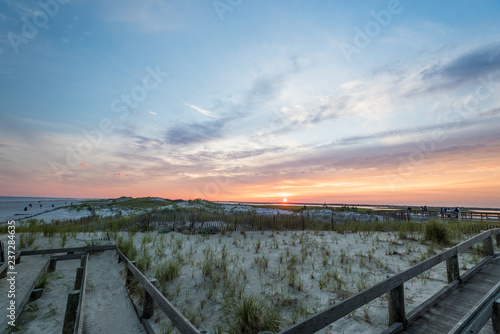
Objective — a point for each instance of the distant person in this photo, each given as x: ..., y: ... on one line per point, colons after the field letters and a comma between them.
x: 30, y: 205
x: 40, y: 206
x: 441, y: 211
x: 409, y: 212
x: 25, y: 208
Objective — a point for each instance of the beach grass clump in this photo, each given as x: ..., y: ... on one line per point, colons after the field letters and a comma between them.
x: 42, y: 281
x: 127, y: 247
x: 437, y: 231
x: 252, y: 315
x: 26, y: 239
x: 144, y: 261
x: 64, y: 238
x: 168, y: 270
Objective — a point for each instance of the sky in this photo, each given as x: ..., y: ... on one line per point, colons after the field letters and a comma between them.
x: 354, y: 102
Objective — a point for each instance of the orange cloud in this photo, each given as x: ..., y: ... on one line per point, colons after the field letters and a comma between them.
x: 84, y: 165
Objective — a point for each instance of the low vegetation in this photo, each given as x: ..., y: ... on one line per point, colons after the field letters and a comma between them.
x: 245, y: 272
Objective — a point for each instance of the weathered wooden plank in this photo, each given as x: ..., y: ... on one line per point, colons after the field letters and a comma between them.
x: 429, y: 324
x: 452, y: 269
x: 472, y: 271
x: 83, y: 287
x: 394, y: 328
x: 396, y: 300
x: 176, y: 317
x: 68, y: 250
x: 485, y: 302
x: 66, y: 257
x: 495, y: 319
x: 488, y: 246
x: 22, y: 304
x: 70, y: 314
x: 480, y: 320
x: 429, y: 303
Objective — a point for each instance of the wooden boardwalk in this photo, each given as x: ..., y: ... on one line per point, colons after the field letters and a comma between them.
x: 107, y: 306
x: 447, y: 313
x: 28, y: 271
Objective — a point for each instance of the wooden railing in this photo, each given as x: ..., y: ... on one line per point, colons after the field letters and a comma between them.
x: 151, y: 293
x: 82, y: 271
x: 394, y: 286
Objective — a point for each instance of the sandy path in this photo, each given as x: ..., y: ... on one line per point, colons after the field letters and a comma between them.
x: 107, y: 306
x: 46, y: 315
x: 27, y: 271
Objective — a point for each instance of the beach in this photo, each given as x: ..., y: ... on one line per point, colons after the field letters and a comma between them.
x: 13, y: 208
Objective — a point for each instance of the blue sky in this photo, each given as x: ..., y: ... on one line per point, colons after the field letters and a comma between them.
x: 251, y: 100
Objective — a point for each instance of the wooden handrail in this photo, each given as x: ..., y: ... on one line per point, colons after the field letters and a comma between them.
x: 79, y: 313
x: 68, y: 250
x: 176, y: 317
x: 324, y: 318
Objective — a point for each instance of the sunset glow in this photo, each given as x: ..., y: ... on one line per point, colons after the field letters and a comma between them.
x: 272, y: 102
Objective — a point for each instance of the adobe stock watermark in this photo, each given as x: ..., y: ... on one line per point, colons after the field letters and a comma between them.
x: 122, y: 107
x: 39, y: 20
x: 456, y: 115
x: 364, y: 36
x: 223, y: 6
x: 268, y: 133
x: 212, y: 189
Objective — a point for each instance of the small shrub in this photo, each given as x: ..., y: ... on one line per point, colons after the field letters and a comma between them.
x: 164, y: 230
x: 437, y: 231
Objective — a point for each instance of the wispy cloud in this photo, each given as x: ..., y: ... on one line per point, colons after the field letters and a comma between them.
x: 203, y: 111
x: 150, y: 16
x: 466, y: 67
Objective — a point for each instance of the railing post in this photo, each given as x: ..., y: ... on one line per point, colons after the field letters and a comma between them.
x: 453, y: 269
x: 396, y: 300
x: 488, y: 247
x: 148, y: 308
x: 52, y: 265
x: 82, y: 260
x: 70, y: 315
x: 78, y: 278
x: 495, y: 319
x: 2, y: 252
x: 498, y: 239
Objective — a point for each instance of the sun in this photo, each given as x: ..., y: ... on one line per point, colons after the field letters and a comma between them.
x: 284, y: 200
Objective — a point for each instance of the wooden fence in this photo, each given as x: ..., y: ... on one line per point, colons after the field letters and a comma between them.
x: 450, y: 215
x: 394, y: 286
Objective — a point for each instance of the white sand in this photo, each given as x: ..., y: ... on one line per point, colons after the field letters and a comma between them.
x: 245, y: 271
x: 107, y: 299
x: 14, y: 210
